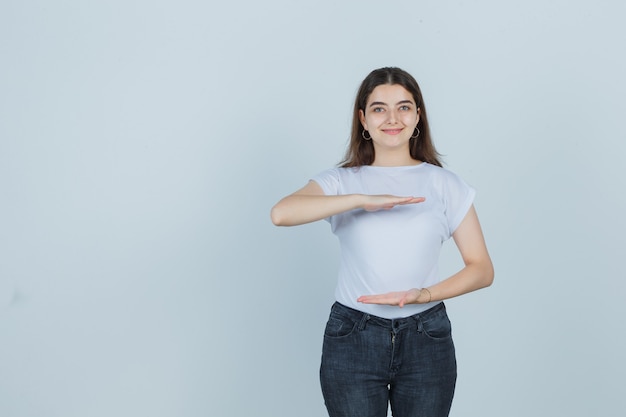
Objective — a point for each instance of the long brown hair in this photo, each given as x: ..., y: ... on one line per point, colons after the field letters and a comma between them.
x: 360, y: 151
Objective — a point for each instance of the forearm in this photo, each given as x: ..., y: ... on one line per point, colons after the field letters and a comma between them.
x: 471, y: 278
x: 299, y: 209
x: 477, y: 273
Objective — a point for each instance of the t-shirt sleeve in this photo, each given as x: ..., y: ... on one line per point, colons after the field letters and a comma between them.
x: 458, y: 198
x: 328, y: 180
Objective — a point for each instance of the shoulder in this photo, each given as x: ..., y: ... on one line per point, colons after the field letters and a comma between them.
x: 437, y: 170
x: 335, y: 180
x: 337, y: 173
x: 327, y: 174
x: 449, y: 185
x: 442, y: 174
x: 330, y: 179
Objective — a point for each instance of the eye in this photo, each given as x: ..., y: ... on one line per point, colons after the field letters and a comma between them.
x: 405, y: 108
x: 378, y: 109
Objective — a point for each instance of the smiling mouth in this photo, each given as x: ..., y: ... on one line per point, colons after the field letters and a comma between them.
x: 392, y: 131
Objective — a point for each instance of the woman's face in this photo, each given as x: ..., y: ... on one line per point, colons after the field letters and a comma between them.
x: 390, y: 116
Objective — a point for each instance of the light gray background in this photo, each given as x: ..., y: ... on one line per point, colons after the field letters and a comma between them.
x: 142, y: 144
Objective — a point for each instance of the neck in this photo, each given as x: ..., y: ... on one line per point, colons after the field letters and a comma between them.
x: 394, y: 159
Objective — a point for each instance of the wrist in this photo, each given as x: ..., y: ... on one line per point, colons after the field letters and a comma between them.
x: 360, y: 201
x: 424, y: 296
x: 357, y: 201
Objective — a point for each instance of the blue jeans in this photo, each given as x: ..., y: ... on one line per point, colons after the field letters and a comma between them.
x: 369, y: 362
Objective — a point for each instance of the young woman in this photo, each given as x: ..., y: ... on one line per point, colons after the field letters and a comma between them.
x: 391, y: 204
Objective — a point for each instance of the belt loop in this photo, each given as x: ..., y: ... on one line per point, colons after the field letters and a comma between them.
x: 364, y: 320
x: 418, y: 320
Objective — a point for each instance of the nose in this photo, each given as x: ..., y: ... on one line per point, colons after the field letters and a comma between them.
x: 392, y: 116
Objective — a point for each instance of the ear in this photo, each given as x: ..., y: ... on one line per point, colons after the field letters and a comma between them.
x: 362, y: 119
x: 419, y: 112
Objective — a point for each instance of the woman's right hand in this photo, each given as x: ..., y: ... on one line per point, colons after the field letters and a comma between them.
x: 309, y: 204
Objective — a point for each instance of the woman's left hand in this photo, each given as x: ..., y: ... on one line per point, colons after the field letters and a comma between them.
x: 397, y: 298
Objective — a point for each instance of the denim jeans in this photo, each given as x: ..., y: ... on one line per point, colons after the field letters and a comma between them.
x: 369, y: 362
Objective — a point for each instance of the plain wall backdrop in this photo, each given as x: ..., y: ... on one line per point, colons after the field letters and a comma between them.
x: 143, y: 143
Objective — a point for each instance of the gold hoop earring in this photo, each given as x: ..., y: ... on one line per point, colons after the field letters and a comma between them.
x: 365, y: 137
x: 416, y: 134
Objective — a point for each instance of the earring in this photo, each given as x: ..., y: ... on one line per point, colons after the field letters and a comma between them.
x: 416, y: 134
x: 365, y: 137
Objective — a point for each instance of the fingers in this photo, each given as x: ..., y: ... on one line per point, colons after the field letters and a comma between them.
x: 386, y: 202
x: 413, y: 200
x: 399, y: 298
x: 385, y: 299
x: 406, y: 200
x: 402, y: 301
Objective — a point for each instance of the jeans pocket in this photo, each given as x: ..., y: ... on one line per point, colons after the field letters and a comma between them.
x: 339, y: 326
x: 438, y: 326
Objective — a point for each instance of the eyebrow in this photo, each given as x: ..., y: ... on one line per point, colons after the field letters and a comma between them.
x: 380, y: 103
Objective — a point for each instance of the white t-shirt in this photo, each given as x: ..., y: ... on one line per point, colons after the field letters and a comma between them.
x: 397, y: 249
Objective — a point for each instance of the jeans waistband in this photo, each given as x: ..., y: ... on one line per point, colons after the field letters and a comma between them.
x: 394, y: 324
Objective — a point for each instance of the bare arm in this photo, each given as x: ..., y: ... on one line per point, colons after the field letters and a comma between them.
x: 309, y: 204
x: 477, y: 273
